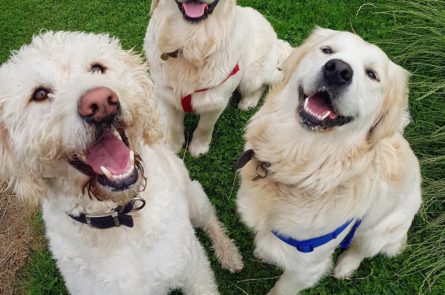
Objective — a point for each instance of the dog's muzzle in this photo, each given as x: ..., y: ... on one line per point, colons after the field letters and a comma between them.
x: 108, y: 159
x: 195, y: 11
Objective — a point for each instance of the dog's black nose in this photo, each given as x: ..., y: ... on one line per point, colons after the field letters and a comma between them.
x: 337, y: 73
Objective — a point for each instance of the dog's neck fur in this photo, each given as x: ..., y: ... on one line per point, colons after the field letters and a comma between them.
x: 60, y: 192
x: 307, y: 164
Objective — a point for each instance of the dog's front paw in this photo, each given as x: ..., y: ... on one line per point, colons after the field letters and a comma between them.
x: 275, y: 291
x: 230, y: 257
x: 258, y: 255
x: 197, y: 148
x: 250, y: 100
x: 347, y: 263
x: 247, y: 104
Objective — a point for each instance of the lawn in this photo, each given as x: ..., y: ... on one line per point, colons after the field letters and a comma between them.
x: 293, y: 20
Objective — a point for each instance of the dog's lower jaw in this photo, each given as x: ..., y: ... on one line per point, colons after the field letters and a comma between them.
x: 101, y: 193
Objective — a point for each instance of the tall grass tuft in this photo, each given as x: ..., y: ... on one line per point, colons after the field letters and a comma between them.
x: 417, y: 41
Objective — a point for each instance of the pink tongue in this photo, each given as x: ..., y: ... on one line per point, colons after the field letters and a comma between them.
x: 111, y: 153
x: 319, y: 104
x: 194, y: 9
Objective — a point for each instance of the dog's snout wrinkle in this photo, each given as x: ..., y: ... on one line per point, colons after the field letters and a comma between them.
x: 337, y: 73
x: 99, y: 104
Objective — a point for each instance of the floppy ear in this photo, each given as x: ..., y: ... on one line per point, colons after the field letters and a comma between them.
x: 154, y: 4
x: 152, y: 129
x: 148, y: 115
x: 27, y: 184
x: 393, y: 115
x: 29, y: 188
x: 291, y: 63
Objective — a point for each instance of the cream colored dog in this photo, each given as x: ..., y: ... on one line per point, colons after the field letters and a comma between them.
x: 74, y: 110
x: 199, y: 52
x: 328, y: 152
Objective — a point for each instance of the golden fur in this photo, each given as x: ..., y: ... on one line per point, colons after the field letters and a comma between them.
x: 319, y: 179
x: 207, y: 52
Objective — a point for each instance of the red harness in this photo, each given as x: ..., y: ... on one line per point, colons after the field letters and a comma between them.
x: 186, y: 101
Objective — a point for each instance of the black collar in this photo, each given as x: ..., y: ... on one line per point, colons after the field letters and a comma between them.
x: 118, y: 216
x: 261, y: 169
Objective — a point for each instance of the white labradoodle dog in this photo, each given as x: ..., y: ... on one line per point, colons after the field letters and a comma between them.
x: 75, y: 110
x: 199, y: 52
x: 325, y: 152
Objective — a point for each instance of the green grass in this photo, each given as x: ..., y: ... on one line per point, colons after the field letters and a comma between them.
x: 377, y: 22
x: 418, y: 38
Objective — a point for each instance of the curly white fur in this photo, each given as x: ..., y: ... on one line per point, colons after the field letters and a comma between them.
x: 161, y: 251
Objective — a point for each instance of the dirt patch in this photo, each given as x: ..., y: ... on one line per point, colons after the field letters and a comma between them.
x: 16, y: 239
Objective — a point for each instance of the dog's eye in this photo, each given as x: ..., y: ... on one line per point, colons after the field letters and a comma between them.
x: 327, y: 50
x: 372, y: 74
x: 97, y: 68
x: 40, y: 94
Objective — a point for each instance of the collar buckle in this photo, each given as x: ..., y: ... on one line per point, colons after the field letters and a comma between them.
x: 117, y: 217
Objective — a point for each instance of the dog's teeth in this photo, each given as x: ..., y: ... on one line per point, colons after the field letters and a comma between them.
x: 110, y: 176
x: 107, y: 172
x: 306, y: 101
x: 128, y: 173
x: 116, y: 133
x: 131, y: 158
x: 125, y: 174
x: 325, y: 115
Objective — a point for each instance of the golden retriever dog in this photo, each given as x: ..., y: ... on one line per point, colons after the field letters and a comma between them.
x: 75, y: 112
x: 199, y: 52
x: 326, y: 163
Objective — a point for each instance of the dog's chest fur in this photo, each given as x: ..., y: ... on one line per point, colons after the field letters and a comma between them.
x: 149, y: 254
x: 297, y: 207
x: 207, y: 51
x: 312, y: 188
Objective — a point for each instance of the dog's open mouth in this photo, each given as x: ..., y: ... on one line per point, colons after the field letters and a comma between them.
x: 195, y: 10
x: 109, y: 160
x: 317, y: 112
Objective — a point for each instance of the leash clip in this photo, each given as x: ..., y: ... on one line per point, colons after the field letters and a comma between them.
x: 262, y: 170
x: 166, y: 55
x: 141, y: 205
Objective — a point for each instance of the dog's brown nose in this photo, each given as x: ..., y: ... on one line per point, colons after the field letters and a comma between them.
x: 99, y: 104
